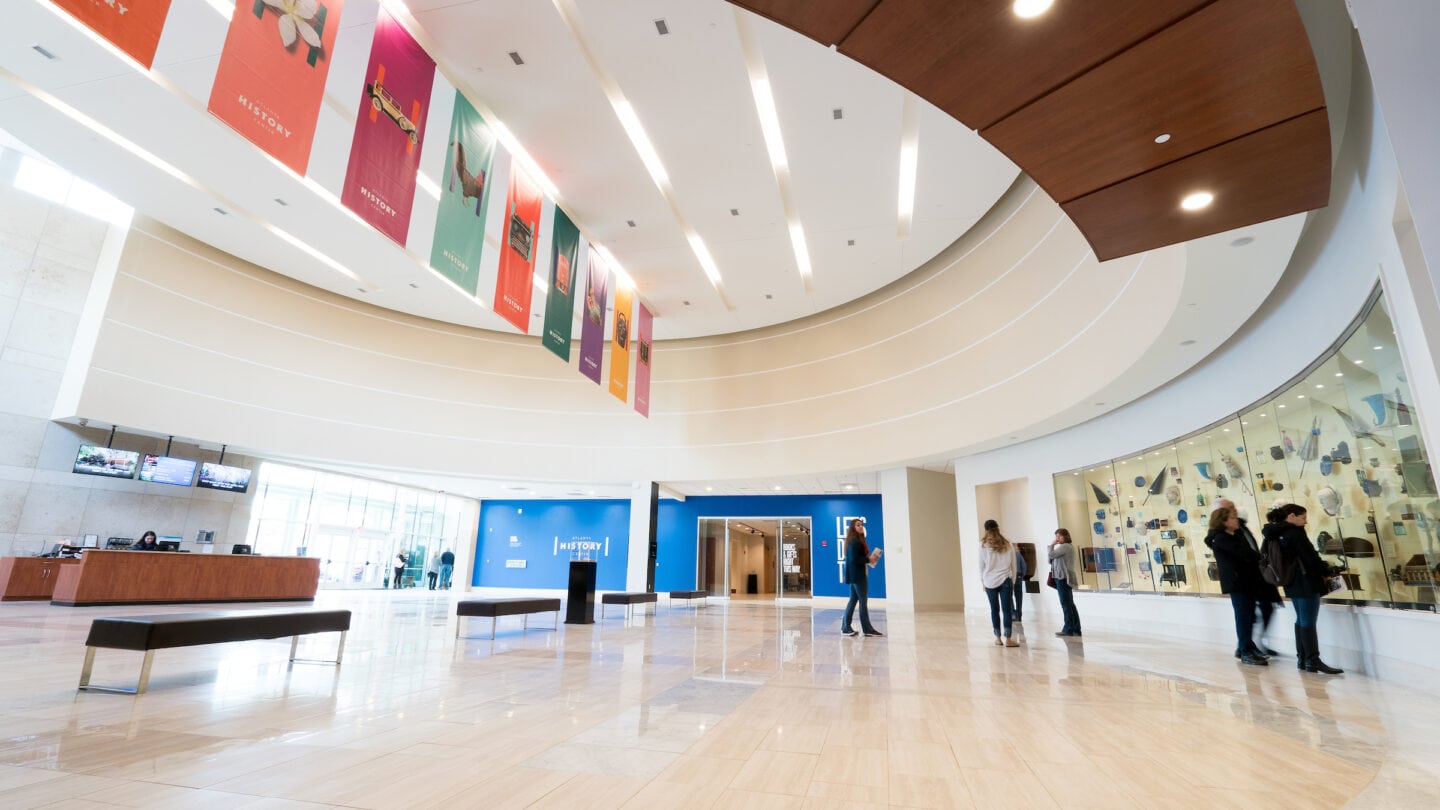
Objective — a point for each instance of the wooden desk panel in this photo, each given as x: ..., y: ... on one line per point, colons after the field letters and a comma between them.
x: 30, y: 577
x: 140, y: 577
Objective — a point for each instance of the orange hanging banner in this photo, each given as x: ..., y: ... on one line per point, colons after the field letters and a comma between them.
x: 620, y: 342
x: 133, y: 26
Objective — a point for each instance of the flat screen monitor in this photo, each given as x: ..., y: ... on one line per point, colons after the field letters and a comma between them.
x: 239, y: 548
x: 218, y: 476
x: 167, y: 470
x: 107, y: 461
x: 168, y: 545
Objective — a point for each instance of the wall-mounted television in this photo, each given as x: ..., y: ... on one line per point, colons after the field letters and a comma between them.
x: 167, y: 470
x: 218, y: 476
x: 107, y: 461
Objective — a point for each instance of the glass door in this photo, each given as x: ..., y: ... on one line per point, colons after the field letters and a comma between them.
x: 711, y: 557
x: 795, y: 557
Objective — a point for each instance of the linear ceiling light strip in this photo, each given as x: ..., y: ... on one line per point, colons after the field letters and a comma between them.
x: 769, y: 116
x: 630, y: 121
x: 909, y: 162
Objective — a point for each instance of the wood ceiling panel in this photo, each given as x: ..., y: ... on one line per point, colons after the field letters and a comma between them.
x: 979, y: 62
x: 826, y: 21
x: 1231, y: 68
x: 1281, y: 170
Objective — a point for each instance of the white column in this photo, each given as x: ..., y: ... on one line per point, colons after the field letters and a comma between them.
x: 639, y: 555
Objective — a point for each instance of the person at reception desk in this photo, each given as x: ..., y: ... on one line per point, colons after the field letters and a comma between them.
x: 146, y: 543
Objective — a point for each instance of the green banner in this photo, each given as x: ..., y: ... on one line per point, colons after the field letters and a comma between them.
x: 464, y: 196
x: 560, y: 297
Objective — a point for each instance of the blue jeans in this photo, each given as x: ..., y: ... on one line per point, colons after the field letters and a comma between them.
x: 859, y: 593
x: 1067, y: 607
x: 1243, y: 604
x: 445, y: 571
x: 1002, y: 601
x: 1307, y: 610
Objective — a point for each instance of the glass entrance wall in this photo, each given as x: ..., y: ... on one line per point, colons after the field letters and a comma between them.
x: 1342, y: 440
x: 356, y: 526
x: 765, y: 557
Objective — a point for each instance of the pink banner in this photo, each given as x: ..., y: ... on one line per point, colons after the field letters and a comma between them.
x: 385, y: 153
x: 643, y: 324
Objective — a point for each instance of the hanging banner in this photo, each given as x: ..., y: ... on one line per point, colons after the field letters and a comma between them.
x: 644, y: 324
x: 560, y: 299
x: 464, y: 198
x: 592, y: 320
x: 272, y: 73
x: 133, y: 26
x: 385, y: 153
x: 620, y: 343
x: 515, y: 284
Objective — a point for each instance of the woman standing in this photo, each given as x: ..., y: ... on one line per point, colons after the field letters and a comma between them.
x: 1239, y: 568
x: 859, y: 559
x: 1304, y: 584
x: 997, y: 574
x: 1066, y: 575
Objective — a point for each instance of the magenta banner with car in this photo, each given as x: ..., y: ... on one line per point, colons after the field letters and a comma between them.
x: 390, y: 130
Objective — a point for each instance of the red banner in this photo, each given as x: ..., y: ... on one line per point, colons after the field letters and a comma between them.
x: 385, y: 153
x: 620, y: 342
x: 644, y: 325
x: 133, y: 26
x: 514, y: 285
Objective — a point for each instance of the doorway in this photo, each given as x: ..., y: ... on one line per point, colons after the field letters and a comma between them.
x: 754, y: 557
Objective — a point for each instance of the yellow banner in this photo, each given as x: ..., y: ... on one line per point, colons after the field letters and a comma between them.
x: 620, y: 342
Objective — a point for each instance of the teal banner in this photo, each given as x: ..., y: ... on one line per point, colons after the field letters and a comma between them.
x: 560, y: 298
x: 464, y: 196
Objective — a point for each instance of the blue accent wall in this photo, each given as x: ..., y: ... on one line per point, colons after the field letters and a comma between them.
x: 678, y: 534
x: 544, y: 534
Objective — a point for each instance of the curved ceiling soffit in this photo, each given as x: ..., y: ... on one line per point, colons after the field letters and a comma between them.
x: 1118, y: 110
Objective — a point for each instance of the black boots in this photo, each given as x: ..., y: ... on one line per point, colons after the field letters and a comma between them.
x: 1307, y: 645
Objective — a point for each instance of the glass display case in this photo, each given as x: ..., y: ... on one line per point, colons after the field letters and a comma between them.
x: 1342, y: 440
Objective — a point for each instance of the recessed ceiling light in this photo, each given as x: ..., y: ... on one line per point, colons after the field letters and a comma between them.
x: 661, y: 28
x: 1301, y: 396
x: 515, y: 57
x: 360, y: 289
x: 778, y: 487
x: 43, y: 51
x: 734, y: 212
x: 1317, y: 385
x: 709, y: 489
x: 1282, y: 406
x: 1029, y: 9
x: 1162, y: 137
x: 282, y: 202
x: 838, y: 113
x: 1187, y: 343
x: 1378, y: 348
x: 769, y: 297
x: 1359, y: 362
x: 1197, y: 201
x: 850, y: 243
x: 1099, y: 404
x: 222, y: 212
x: 413, y: 284
x: 1242, y: 241
x: 1339, y: 374
x: 630, y: 222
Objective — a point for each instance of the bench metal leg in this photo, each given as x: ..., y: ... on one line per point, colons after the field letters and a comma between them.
x: 139, y: 689
x: 525, y: 622
x: 557, y: 621
x: 339, y: 652
x: 494, y: 620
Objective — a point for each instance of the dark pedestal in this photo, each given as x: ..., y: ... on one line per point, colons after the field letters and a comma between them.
x: 580, y: 601
x: 752, y: 583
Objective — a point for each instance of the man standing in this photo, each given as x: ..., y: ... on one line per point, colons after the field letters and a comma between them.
x: 447, y: 566
x: 1268, y: 596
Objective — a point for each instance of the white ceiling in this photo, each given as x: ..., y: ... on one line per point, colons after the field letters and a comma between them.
x: 690, y: 89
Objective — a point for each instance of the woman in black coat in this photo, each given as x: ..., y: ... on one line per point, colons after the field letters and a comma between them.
x: 1304, y: 581
x: 1239, y: 567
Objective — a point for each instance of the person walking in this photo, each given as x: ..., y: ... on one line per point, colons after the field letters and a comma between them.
x: 1267, y: 596
x: 1239, y: 568
x: 432, y: 571
x: 997, y: 574
x: 1066, y: 573
x: 859, y: 559
x: 447, y: 568
x: 1022, y: 573
x: 1303, y: 574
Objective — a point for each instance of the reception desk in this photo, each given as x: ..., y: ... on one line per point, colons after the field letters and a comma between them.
x: 30, y: 577
x: 142, y: 577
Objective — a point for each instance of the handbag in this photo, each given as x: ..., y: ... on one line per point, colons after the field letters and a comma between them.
x: 1050, y: 580
x: 1335, y: 583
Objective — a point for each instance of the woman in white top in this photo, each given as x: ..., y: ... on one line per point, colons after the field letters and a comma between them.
x: 997, y: 574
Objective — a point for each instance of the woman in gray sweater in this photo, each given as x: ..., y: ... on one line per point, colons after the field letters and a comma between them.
x: 1067, y: 575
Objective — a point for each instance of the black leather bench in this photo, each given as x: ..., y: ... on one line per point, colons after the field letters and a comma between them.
x: 690, y: 596
x: 514, y: 606
x: 150, y: 633
x: 629, y: 600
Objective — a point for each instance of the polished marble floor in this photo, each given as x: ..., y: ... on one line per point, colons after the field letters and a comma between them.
x: 753, y: 705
